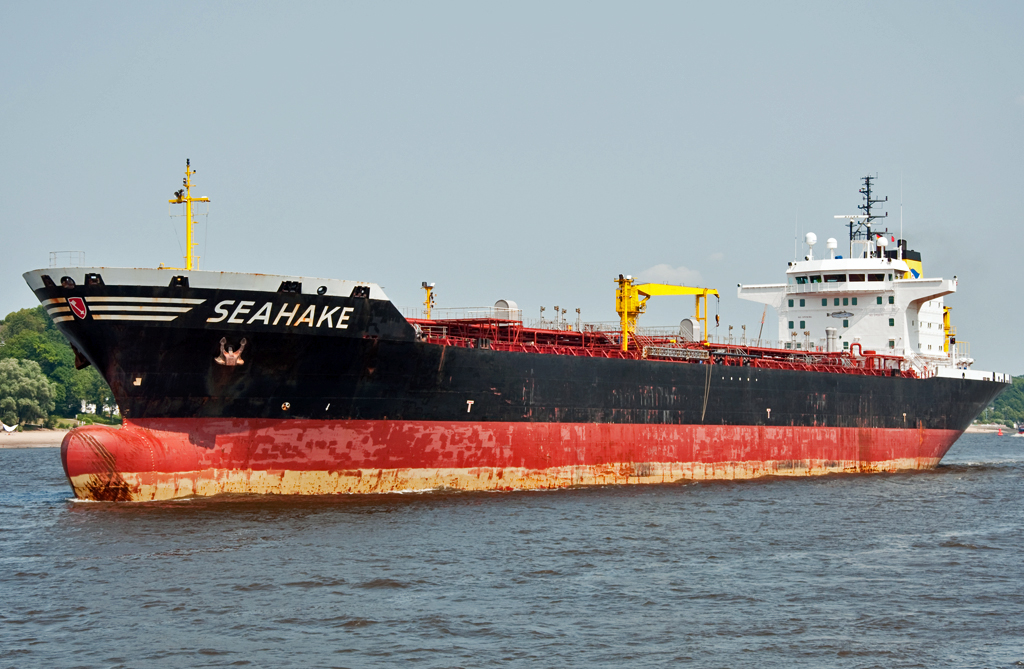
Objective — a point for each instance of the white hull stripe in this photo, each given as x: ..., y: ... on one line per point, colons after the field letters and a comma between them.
x: 129, y: 317
x: 61, y: 319
x: 54, y: 300
x: 137, y: 309
x: 146, y: 300
x: 57, y: 310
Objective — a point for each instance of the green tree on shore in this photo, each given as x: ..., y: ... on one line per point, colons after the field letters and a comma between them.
x: 25, y: 392
x: 29, y: 334
x: 1008, y: 408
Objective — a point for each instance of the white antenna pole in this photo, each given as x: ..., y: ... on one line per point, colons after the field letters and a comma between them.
x: 901, y: 216
x: 796, y: 224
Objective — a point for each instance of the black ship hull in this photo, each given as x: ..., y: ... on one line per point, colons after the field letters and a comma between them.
x: 339, y: 392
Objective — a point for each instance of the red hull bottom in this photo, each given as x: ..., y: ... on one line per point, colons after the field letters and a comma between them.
x: 157, y: 459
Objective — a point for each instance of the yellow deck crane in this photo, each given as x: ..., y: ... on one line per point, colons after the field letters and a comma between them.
x: 631, y: 301
x: 948, y: 331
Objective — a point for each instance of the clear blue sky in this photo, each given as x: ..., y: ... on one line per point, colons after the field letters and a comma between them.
x: 528, y: 151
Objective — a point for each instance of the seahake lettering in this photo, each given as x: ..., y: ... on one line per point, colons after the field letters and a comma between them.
x: 290, y: 314
x: 222, y: 309
x: 263, y: 314
x: 307, y: 316
x: 345, y: 313
x: 241, y: 310
x: 327, y: 315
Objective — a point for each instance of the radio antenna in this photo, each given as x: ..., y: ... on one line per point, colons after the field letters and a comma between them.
x: 796, y: 225
x: 900, y: 247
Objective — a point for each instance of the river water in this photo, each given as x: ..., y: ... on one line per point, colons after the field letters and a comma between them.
x: 909, y: 570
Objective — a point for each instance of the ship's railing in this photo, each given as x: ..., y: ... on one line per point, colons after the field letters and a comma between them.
x: 457, y: 313
x: 67, y: 259
x: 962, y: 350
x: 854, y: 287
x: 693, y: 353
x: 560, y: 325
x: 663, y: 343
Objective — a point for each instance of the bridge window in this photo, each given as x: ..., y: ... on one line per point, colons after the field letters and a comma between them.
x: 835, y: 278
x: 815, y: 278
x: 876, y: 277
x: 801, y: 280
x: 856, y: 277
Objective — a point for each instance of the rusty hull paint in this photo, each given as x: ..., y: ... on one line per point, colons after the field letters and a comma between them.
x: 167, y: 458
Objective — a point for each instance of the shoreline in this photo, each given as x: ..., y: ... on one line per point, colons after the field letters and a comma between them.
x: 32, y: 439
x: 989, y: 428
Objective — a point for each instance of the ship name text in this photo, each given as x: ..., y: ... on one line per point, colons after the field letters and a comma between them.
x: 264, y: 314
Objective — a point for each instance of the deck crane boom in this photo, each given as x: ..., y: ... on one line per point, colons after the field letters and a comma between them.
x: 631, y: 301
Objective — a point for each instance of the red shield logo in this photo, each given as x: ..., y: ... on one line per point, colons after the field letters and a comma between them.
x: 77, y: 305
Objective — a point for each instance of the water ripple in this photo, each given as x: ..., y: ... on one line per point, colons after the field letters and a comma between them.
x: 917, y: 569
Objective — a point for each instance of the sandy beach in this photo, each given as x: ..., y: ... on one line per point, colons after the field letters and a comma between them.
x: 32, y: 439
x: 989, y: 428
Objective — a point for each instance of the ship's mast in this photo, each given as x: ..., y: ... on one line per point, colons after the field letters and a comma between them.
x: 866, y: 208
x: 184, y: 196
x: 860, y: 224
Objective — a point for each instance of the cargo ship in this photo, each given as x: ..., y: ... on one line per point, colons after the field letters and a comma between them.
x: 262, y: 384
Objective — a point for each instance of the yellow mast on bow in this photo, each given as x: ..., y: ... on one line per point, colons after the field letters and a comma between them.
x: 184, y: 196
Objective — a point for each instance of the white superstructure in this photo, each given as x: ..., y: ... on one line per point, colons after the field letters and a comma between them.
x: 872, y: 300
